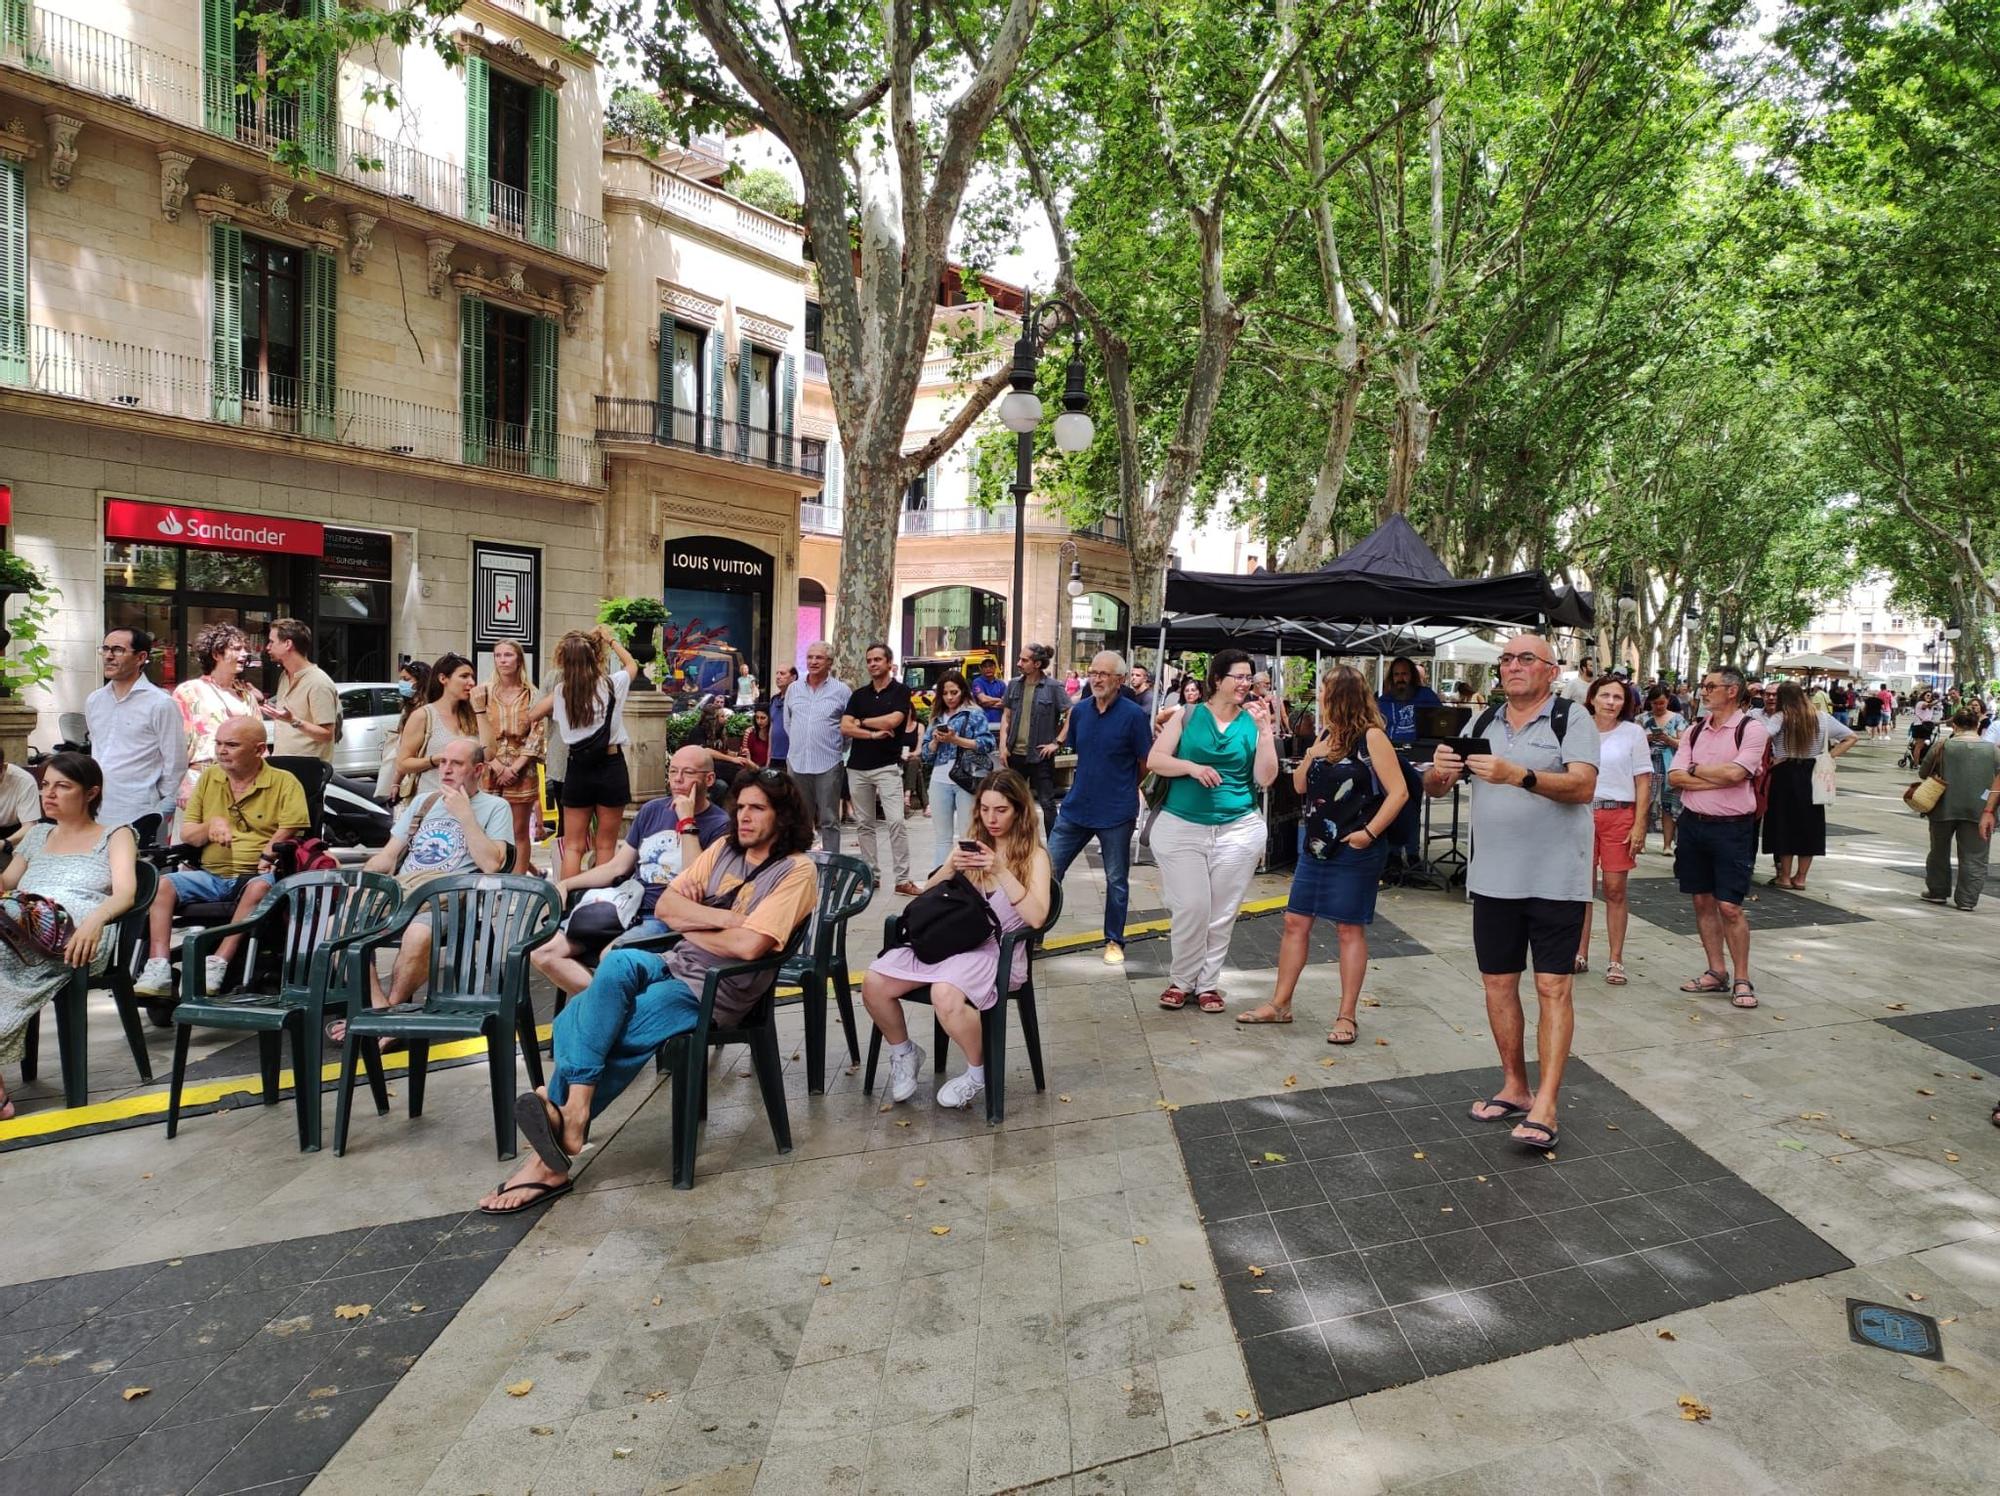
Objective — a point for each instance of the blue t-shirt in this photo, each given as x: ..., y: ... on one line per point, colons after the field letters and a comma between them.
x: 1111, y: 748
x: 1400, y: 717
x: 653, y: 837
x: 781, y: 739
x: 437, y: 843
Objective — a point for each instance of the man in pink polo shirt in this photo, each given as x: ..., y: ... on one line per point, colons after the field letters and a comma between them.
x: 1715, y: 769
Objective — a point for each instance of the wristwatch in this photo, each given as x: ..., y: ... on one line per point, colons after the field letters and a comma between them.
x: 1528, y: 780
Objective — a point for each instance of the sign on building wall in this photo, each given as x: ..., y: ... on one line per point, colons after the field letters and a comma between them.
x: 213, y: 529
x: 506, y: 603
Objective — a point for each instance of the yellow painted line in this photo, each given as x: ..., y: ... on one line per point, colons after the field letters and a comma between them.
x: 154, y: 1103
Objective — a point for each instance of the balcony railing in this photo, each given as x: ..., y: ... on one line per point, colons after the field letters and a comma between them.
x: 622, y: 420
x: 819, y: 519
x: 97, y: 62
x: 1042, y: 519
x: 129, y: 377
x: 815, y: 365
x: 720, y: 211
x: 528, y: 10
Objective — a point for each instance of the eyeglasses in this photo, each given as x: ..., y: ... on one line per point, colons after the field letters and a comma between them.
x: 1713, y: 685
x: 113, y: 649
x: 1524, y: 659
x: 1238, y: 675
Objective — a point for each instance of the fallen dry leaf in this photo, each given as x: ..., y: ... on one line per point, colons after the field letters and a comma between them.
x: 1167, y: 1106
x: 887, y: 1106
x: 653, y: 1397
x: 1242, y: 1412
x: 1921, y: 1091
x: 351, y: 1311
x: 1254, y: 1290
x: 177, y: 1261
x: 1446, y: 1209
x: 1187, y: 1285
x: 657, y: 1301
x: 1668, y: 1335
x: 540, y: 1430
x: 1896, y: 1007
x: 1062, y: 1098
x: 1369, y: 1002
x: 133, y: 1394
x: 1326, y: 1064
x: 1418, y: 1154
x: 1693, y: 1411
x: 1140, y: 1241
x: 918, y: 1183
x: 1847, y: 1137
x: 521, y: 1389
x: 1383, y: 1042
x: 940, y: 1231
x: 1256, y: 1272
x: 902, y: 1124
x: 416, y: 1308
x: 621, y: 1452
x: 1812, y: 1116
x: 1274, y: 1158
x: 1612, y: 1127
x: 324, y: 1392
x: 1797, y: 956
x: 1949, y: 1319
x: 1916, y: 1298
x: 1479, y: 1179
x: 825, y: 1281
x: 562, y: 1314
x: 1951, y: 1158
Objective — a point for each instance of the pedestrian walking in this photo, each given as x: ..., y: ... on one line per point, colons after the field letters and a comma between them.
x: 1217, y: 755
x: 1529, y: 876
x: 137, y: 738
x: 1716, y: 769
x: 589, y: 712
x: 1663, y: 725
x: 307, y: 706
x: 956, y: 727
x: 1618, y: 813
x: 1031, y: 716
x: 1794, y: 821
x: 816, y: 747
x: 1962, y: 820
x: 1351, y: 788
x: 874, y: 721
x: 1111, y: 736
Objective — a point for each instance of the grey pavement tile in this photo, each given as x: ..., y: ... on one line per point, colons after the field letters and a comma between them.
x: 1022, y: 1351
x: 922, y: 1374
x: 1019, y: 1439
x: 755, y: 1343
x: 828, y: 1399
x: 1205, y: 1392
x: 1114, y: 1415
x: 922, y: 1458
x: 720, y: 1427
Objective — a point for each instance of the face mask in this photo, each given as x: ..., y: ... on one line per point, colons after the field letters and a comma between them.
x: 406, y: 689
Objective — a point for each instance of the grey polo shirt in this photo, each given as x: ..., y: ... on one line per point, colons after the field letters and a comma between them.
x: 812, y: 720
x: 1524, y: 845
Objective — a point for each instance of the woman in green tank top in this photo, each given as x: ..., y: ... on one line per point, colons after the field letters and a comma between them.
x: 1216, y: 755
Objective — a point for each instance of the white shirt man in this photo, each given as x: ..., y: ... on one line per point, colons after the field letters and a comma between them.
x: 136, y: 734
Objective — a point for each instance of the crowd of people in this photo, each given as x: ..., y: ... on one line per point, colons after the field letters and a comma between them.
x: 1573, y: 777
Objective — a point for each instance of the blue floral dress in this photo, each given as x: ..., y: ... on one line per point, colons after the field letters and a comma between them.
x: 79, y: 881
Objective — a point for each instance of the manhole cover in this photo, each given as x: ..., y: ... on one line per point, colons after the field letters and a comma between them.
x: 1888, y: 1328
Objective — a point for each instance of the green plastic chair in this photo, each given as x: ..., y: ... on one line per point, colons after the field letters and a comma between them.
x: 72, y: 1033
x: 313, y: 972
x: 482, y: 927
x: 846, y: 884
x: 992, y: 1022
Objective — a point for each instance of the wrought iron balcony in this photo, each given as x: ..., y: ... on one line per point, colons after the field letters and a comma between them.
x: 648, y: 421
x: 1041, y: 519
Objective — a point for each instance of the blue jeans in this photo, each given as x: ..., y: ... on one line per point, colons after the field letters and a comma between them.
x: 951, y: 813
x: 609, y: 1031
x: 1115, y: 842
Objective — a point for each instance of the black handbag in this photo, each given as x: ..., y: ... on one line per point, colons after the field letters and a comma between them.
x: 949, y: 919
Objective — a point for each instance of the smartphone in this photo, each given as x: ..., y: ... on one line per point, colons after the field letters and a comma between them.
x: 970, y: 846
x: 1466, y: 747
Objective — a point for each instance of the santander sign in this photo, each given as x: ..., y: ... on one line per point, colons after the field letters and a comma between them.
x: 212, y: 529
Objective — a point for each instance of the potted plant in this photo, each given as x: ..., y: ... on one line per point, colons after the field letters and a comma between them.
x: 32, y: 663
x: 633, y: 620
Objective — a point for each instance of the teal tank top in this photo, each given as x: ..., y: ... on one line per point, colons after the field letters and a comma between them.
x: 1230, y: 753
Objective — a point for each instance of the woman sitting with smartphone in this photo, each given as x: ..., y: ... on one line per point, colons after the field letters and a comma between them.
x: 1005, y: 860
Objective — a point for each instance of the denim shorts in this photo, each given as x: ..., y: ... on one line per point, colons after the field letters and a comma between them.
x: 199, y: 886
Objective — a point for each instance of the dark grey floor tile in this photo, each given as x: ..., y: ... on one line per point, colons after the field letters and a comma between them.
x: 1505, y: 1156
x: 1210, y: 1157
x: 1400, y: 1091
x: 1225, y: 1196
x: 296, y: 1263
x: 169, y: 1461
x: 1370, y: 1353
x: 1288, y: 1186
x: 1631, y: 1283
x: 1250, y: 1113
x: 1247, y: 1241
x: 1453, y: 1159
x: 1444, y: 1335
x: 1322, y: 1140
x: 1291, y: 1371
x: 1695, y: 1275
x: 67, y: 1301
x: 1644, y: 1129
x: 1741, y: 1202
x: 46, y: 1472
x: 1772, y: 1252
x: 14, y: 1295
x: 1301, y: 1107
x: 1577, y: 1305
x: 1201, y: 1120
x: 1455, y: 1090
x: 441, y: 1285
x: 1527, y: 1246
x: 1487, y: 1201
x: 189, y: 1280
x: 1468, y: 1259
x: 25, y: 1345
x: 1639, y: 1223
x: 1691, y: 1209
x: 1513, y: 1320
x: 1345, y: 1102
x: 255, y: 1378
x: 1337, y: 1286
x: 1345, y: 1176
x: 1253, y: 1145
x: 373, y: 1354
x: 1543, y: 1191
x: 26, y: 1406
x: 1263, y: 1306
x: 104, y: 1412
x: 1646, y: 1172
x: 404, y: 1244
x: 1431, y: 1209
x: 216, y: 1325
x: 1594, y: 1180
x: 293, y: 1440
x: 1372, y: 1220
x: 1585, y: 1234
x: 1374, y: 1130
x: 1314, y: 1231
x: 1404, y: 1272
x: 1401, y: 1167
x: 1425, y: 1124
x: 98, y: 1345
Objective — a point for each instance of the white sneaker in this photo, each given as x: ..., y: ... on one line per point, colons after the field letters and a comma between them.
x: 156, y: 980
x: 1114, y: 954
x: 216, y: 969
x: 904, y: 1067
x: 960, y: 1091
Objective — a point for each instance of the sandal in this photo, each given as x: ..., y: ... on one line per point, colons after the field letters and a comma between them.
x: 1209, y: 1001
x: 542, y: 1194
x: 531, y: 1115
x: 1266, y: 1013
x: 1614, y: 973
x: 1173, y: 999
x: 1743, y: 994
x: 1709, y: 981
x: 1507, y: 1109
x: 1354, y: 1031
x: 1582, y: 965
x: 1545, y: 1143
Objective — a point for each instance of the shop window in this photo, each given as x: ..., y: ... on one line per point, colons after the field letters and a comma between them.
x: 952, y: 620
x: 235, y: 101
x: 507, y: 373
x: 144, y: 566
x: 228, y: 571
x: 510, y: 153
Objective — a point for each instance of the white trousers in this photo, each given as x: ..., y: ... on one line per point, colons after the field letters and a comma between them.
x: 1204, y: 873
x: 878, y: 800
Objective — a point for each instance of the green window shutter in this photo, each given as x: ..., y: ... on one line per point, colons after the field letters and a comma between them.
x: 713, y: 342
x: 542, y: 170
x: 787, y: 396
x: 225, y: 243
x: 663, y: 412
x: 543, y: 336
x: 14, y: 29
x: 319, y: 112
x: 218, y: 66
x: 478, y: 194
x: 744, y: 353
x: 13, y: 274
x: 472, y: 377
x: 835, y: 474
x: 316, y: 358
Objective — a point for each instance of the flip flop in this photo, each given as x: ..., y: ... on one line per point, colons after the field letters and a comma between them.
x: 1507, y: 1109
x: 1709, y: 981
x: 1548, y: 1131
x: 1279, y: 1015
x: 1335, y: 1039
x: 531, y: 1115
x: 544, y: 1194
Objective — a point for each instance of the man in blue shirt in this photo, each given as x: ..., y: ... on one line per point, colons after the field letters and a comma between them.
x: 1402, y: 694
x: 1112, y: 736
x: 781, y: 740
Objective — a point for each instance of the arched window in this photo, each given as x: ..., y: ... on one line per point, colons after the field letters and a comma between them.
x: 952, y: 620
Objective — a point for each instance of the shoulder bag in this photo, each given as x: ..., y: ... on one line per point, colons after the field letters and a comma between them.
x: 949, y: 919
x: 969, y: 766
x: 1153, y: 789
x: 35, y: 926
x: 1923, y: 796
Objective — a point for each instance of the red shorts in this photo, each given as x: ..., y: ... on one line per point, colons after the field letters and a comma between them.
x: 1614, y: 838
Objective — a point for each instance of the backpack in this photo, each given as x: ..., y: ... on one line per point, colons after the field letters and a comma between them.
x: 1558, y: 718
x: 308, y: 854
x: 1760, y: 777
x: 949, y: 919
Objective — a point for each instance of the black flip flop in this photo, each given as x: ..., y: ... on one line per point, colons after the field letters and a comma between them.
x: 1511, y: 1110
x: 1549, y: 1128
x: 543, y: 1194
x: 531, y: 1115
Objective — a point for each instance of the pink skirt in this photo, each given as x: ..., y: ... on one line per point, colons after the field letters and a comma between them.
x: 975, y: 972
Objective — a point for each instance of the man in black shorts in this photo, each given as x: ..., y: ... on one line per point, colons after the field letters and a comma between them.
x: 1532, y: 837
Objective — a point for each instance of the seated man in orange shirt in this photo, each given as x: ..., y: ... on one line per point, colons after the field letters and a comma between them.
x: 740, y: 900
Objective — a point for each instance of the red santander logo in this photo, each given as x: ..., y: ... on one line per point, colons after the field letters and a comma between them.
x: 212, y: 529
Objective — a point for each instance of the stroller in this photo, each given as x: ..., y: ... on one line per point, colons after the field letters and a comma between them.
x: 1921, y: 734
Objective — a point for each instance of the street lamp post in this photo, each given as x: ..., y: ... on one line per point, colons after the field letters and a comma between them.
x: 1021, y: 413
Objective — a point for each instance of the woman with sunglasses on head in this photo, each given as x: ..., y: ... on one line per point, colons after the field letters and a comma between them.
x: 1618, y: 813
x: 447, y: 714
x: 1216, y: 756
